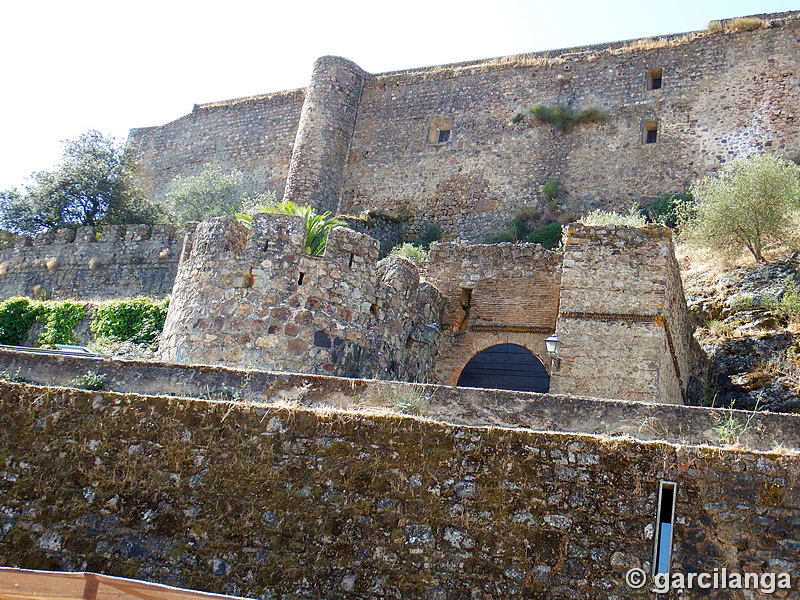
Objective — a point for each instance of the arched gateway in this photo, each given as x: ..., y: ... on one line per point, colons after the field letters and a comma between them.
x: 505, y: 367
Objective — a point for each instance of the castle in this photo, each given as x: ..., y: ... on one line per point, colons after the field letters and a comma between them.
x: 456, y: 145
x: 250, y: 460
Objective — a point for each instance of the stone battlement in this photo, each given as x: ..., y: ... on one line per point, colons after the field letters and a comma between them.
x: 91, y: 263
x: 251, y: 297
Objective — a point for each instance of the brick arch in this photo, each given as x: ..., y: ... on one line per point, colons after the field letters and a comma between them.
x: 449, y: 365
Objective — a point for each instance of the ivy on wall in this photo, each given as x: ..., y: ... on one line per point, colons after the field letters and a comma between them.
x: 136, y: 320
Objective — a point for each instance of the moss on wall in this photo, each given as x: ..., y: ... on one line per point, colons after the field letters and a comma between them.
x: 283, y: 502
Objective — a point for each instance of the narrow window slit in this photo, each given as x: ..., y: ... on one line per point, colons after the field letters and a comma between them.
x: 300, y: 279
x: 352, y: 256
x: 266, y: 245
x: 664, y: 525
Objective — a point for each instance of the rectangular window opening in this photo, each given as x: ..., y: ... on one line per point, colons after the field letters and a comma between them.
x: 665, y: 522
x: 300, y: 279
x: 650, y: 132
x: 655, y: 78
x: 352, y: 257
x: 444, y: 136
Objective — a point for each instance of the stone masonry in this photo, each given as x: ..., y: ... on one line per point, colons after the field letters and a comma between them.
x: 252, y: 298
x: 354, y: 140
x: 92, y: 264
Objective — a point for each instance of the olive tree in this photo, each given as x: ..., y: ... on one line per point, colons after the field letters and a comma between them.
x: 747, y: 206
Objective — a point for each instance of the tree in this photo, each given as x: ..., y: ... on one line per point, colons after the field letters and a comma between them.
x: 212, y: 192
x: 93, y: 185
x: 747, y: 206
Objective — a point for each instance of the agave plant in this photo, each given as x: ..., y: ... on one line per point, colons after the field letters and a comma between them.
x: 317, y: 226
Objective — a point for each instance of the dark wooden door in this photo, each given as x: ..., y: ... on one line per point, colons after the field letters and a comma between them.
x: 505, y: 367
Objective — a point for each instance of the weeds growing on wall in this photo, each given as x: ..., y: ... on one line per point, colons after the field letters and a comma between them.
x: 89, y: 381
x: 411, y: 252
x: 16, y: 317
x: 564, y: 119
x: 136, y: 320
x: 18, y: 314
x: 428, y: 234
x: 523, y: 227
x: 633, y: 218
x: 317, y: 226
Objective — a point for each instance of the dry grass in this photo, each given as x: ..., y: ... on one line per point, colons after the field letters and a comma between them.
x: 657, y: 42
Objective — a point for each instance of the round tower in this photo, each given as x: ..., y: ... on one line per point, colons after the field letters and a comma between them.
x: 327, y: 120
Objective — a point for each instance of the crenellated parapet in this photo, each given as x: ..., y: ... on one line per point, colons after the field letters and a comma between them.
x: 251, y: 296
x: 91, y: 262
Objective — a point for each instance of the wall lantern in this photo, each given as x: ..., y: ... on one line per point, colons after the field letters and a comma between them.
x: 553, y: 345
x: 431, y: 332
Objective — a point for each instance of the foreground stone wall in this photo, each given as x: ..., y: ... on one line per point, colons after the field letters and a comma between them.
x: 281, y: 503
x: 252, y: 298
x: 92, y: 264
x: 645, y: 420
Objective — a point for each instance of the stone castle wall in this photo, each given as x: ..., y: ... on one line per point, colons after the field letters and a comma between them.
x: 269, y: 502
x: 252, y: 298
x: 92, y: 264
x: 372, y: 140
x: 255, y: 135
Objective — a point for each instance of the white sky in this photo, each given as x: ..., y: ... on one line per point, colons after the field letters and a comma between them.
x: 73, y: 65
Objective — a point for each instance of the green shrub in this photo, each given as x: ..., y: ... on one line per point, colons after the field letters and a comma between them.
x: 564, y: 119
x: 410, y: 251
x: 743, y: 302
x: 60, y: 319
x: 16, y: 317
x: 137, y: 320
x: 523, y: 222
x: 428, y: 233
x: 789, y: 304
x: 669, y: 210
x: 89, y: 381
x: 548, y: 236
x: 551, y: 189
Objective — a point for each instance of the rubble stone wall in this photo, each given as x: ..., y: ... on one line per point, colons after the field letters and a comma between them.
x: 92, y: 264
x: 636, y: 315
x: 372, y: 141
x: 252, y: 298
x: 272, y: 502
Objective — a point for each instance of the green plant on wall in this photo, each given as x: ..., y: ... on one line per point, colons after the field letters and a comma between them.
x: 317, y: 226
x: 564, y: 119
x: 136, y: 320
x: 16, y: 317
x: 60, y: 319
x: 550, y: 189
